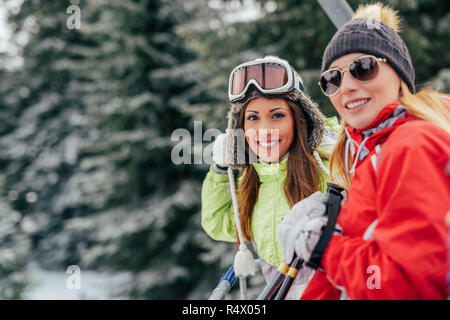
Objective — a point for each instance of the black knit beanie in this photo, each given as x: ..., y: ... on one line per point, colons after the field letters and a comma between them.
x: 380, y: 40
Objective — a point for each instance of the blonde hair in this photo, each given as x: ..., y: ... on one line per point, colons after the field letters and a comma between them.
x: 428, y: 104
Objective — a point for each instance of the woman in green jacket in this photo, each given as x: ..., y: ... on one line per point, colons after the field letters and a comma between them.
x: 276, y: 139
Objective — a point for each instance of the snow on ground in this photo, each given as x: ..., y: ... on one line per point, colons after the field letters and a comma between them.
x: 53, y: 285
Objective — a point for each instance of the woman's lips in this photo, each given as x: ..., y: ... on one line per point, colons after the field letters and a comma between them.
x: 268, y: 145
x: 356, y: 105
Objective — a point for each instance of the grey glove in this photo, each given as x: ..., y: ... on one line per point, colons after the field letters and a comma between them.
x: 308, y: 209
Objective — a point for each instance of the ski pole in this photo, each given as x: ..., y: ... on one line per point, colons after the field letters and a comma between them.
x: 274, y: 284
x: 338, y: 11
x: 244, y: 265
x: 296, y: 265
x: 333, y: 207
x: 225, y: 284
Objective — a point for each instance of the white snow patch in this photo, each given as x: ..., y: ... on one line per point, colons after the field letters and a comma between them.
x: 52, y: 285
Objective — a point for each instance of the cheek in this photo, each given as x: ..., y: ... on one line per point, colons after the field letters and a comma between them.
x: 383, y: 95
x: 336, y: 104
x: 386, y: 87
x: 246, y: 125
x: 287, y: 131
x: 248, y: 128
x: 250, y: 136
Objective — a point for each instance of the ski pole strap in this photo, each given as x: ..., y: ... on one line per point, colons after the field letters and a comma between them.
x: 235, y: 175
x: 333, y: 206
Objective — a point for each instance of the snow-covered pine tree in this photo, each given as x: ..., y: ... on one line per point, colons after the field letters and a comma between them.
x: 14, y: 244
x: 48, y: 129
x: 147, y: 209
x: 88, y: 158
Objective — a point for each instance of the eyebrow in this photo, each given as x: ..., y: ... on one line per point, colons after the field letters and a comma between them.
x: 271, y: 110
x: 337, y: 67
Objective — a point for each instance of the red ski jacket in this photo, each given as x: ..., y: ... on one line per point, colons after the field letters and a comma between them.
x: 395, y: 240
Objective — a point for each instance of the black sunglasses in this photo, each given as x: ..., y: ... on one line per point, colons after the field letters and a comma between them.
x: 364, y: 68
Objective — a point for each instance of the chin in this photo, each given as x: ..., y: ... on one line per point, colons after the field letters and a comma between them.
x: 270, y: 159
x: 359, y: 123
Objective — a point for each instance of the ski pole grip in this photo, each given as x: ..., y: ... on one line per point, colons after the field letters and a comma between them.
x: 274, y: 284
x: 229, y: 276
x: 296, y: 265
x: 333, y: 206
x: 225, y: 284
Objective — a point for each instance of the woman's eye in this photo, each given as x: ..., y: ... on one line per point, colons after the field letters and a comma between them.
x: 252, y: 118
x: 278, y: 115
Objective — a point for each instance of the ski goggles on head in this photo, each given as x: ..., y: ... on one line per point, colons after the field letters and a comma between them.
x: 269, y: 76
x: 364, y: 68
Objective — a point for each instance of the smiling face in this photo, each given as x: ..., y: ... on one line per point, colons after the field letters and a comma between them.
x: 269, y: 127
x: 359, y: 102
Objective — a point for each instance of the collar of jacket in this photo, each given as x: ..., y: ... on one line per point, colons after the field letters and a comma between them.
x: 389, y: 118
x: 268, y: 171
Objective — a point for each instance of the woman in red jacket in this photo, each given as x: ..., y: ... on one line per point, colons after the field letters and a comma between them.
x: 390, y: 239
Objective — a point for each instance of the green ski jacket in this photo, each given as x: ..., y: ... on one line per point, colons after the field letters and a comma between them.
x: 217, y: 216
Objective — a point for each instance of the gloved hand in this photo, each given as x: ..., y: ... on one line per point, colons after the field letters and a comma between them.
x: 303, y: 211
x: 301, y: 229
x: 219, y: 152
x: 307, y: 233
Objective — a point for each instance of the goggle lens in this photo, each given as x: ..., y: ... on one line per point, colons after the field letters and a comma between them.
x: 275, y: 76
x: 268, y: 75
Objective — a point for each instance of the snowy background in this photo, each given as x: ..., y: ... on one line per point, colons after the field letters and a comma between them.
x: 86, y: 118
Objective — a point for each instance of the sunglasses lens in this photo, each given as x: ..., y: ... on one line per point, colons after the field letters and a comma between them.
x: 330, y: 81
x: 268, y: 75
x: 364, y: 69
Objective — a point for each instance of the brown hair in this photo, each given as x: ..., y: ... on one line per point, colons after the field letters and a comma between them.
x: 303, y: 175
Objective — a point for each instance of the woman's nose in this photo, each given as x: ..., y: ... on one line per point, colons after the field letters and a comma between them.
x: 264, y: 124
x: 268, y: 132
x: 348, y: 83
